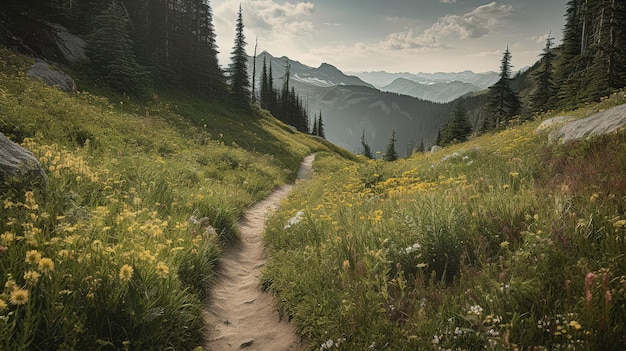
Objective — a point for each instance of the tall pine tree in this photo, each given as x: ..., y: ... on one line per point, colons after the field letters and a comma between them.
x: 544, y: 97
x: 239, y: 79
x: 367, y: 151
x: 111, y: 54
x: 503, y: 103
x: 391, y: 154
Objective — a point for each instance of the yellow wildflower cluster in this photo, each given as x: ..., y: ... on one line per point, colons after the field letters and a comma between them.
x: 58, y: 160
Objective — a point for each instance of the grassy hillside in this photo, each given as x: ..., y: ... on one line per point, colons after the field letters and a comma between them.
x: 140, y: 199
x: 502, y: 243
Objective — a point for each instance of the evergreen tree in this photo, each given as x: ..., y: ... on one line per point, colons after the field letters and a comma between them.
x: 253, y: 96
x: 390, y: 154
x: 265, y: 89
x: 544, y: 97
x: 367, y: 151
x: 456, y: 129
x: 239, y: 79
x: 605, y: 52
x: 110, y: 51
x: 420, y: 147
x: 320, y: 126
x: 503, y: 103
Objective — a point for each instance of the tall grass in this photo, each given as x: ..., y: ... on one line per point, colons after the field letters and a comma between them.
x: 503, y: 243
x: 118, y: 250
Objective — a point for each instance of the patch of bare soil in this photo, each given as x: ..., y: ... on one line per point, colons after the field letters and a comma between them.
x: 238, y: 313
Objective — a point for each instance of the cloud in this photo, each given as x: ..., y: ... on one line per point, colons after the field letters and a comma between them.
x: 447, y: 1
x: 270, y: 19
x: 472, y: 25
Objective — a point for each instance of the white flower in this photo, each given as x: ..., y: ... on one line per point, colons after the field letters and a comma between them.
x: 435, y: 340
x: 476, y: 309
x: 294, y: 220
x: 327, y: 345
x: 413, y: 248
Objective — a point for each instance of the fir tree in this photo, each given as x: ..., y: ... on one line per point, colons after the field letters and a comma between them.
x: 569, y: 73
x: 390, y: 154
x: 503, y: 103
x: 239, y: 79
x: 265, y: 89
x: 544, y: 97
x: 367, y: 151
x: 111, y: 54
x: 320, y: 126
x: 456, y: 129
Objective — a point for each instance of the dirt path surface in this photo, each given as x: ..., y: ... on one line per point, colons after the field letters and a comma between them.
x: 239, y: 314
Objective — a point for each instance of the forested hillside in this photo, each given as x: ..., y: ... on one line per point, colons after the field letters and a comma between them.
x: 132, y: 45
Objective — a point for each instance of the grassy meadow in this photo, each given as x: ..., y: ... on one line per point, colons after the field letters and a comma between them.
x: 505, y: 242
x: 117, y: 251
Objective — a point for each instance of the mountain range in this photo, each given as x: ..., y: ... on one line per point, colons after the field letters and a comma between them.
x: 374, y: 103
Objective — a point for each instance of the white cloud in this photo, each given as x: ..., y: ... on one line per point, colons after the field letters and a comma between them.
x: 472, y: 25
x: 268, y: 19
x: 447, y: 1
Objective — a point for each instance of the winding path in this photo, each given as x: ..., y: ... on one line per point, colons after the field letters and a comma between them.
x: 239, y: 314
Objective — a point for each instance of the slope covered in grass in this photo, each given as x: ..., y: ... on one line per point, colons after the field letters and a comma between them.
x: 505, y: 242
x: 117, y: 251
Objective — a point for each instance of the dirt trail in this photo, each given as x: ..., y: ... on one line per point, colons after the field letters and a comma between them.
x: 239, y: 314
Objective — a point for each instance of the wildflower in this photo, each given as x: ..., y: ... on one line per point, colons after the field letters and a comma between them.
x: 294, y: 220
x: 574, y: 324
x: 33, y: 257
x: 19, y: 297
x: 32, y: 277
x: 46, y: 265
x: 3, y: 305
x: 126, y: 273
x: 476, y: 309
x: 162, y: 270
x: 504, y: 244
x: 346, y: 265
x: 514, y: 174
x: 7, y: 238
x: 326, y: 345
x: 413, y: 248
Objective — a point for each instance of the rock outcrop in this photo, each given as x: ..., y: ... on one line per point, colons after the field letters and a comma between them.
x: 18, y: 165
x: 39, y: 38
x: 600, y: 123
x: 52, y: 76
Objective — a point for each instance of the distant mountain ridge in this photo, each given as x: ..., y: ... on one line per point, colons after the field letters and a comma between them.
x: 436, y: 92
x: 380, y: 78
x: 350, y: 106
x: 326, y: 75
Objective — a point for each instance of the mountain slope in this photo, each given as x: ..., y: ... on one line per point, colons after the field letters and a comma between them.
x: 349, y: 106
x: 437, y: 92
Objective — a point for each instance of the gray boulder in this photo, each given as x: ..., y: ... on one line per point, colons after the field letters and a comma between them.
x: 604, y: 122
x: 51, y: 76
x: 18, y: 163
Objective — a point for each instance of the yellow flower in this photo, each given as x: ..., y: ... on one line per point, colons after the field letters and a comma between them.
x: 19, y: 296
x: 33, y: 257
x: 575, y: 325
x: 126, y: 273
x: 504, y: 244
x: 3, y: 305
x: 31, y: 277
x: 162, y: 270
x: 46, y: 265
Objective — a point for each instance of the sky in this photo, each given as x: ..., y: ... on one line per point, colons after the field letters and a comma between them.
x: 393, y: 35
